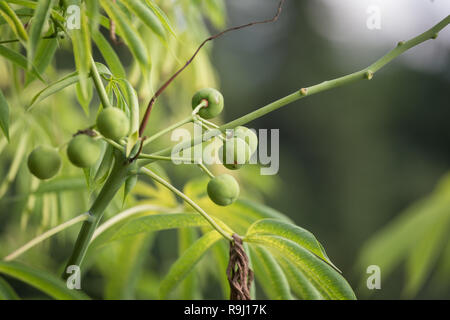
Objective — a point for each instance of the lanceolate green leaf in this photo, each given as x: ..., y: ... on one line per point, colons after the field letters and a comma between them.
x: 162, y: 17
x: 33, y: 5
x: 18, y: 60
x: 82, y: 52
x: 190, y: 286
x: 6, y: 291
x: 325, y: 278
x: 147, y: 17
x: 13, y: 20
x: 159, y: 222
x: 129, y: 33
x: 41, y: 280
x: 63, y: 83
x: 110, y: 56
x: 4, y: 115
x: 424, y: 254
x: 289, y: 231
x: 269, y: 273
x: 301, y: 286
x: 43, y: 57
x: 41, y: 15
x: 181, y: 268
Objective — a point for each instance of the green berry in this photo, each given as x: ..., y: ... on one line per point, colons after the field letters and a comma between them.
x: 223, y: 190
x: 214, y: 101
x: 248, y: 136
x: 234, y: 153
x: 113, y: 123
x: 44, y: 162
x: 83, y: 151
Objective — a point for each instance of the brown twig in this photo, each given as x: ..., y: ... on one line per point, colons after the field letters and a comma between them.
x: 168, y: 82
x: 239, y: 274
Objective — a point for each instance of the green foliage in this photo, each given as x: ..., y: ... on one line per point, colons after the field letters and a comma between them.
x: 289, y: 262
x: 418, y: 237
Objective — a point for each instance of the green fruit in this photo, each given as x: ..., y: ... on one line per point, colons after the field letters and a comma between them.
x: 113, y: 123
x: 248, y: 136
x: 223, y: 190
x: 83, y: 151
x: 214, y: 101
x: 234, y: 153
x: 44, y: 162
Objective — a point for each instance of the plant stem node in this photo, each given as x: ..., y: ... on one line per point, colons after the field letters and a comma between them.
x: 368, y: 75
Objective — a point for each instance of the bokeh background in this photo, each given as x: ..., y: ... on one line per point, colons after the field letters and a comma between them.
x: 353, y: 158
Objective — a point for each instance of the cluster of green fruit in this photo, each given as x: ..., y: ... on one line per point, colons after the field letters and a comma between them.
x: 236, y: 150
x: 83, y: 151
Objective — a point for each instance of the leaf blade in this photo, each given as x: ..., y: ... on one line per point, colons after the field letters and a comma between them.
x: 186, y: 262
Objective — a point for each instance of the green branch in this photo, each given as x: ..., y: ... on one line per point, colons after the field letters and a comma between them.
x: 366, y: 73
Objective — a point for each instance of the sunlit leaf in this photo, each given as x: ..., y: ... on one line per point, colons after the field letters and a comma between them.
x: 41, y: 15
x: 269, y: 273
x: 146, y: 15
x: 110, y: 56
x: 47, y: 283
x: 18, y: 60
x: 13, y: 20
x: 129, y: 33
x: 62, y: 84
x: 325, y: 278
x: 181, y: 268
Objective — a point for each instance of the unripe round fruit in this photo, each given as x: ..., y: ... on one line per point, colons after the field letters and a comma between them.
x: 83, y: 151
x: 234, y: 153
x: 113, y: 123
x: 248, y: 136
x: 214, y: 102
x: 223, y: 190
x: 44, y: 162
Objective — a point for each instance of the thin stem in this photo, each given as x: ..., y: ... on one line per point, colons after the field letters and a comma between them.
x: 206, y: 170
x: 168, y: 129
x: 99, y: 85
x: 46, y: 235
x: 195, y: 206
x: 169, y: 81
x: 366, y: 73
